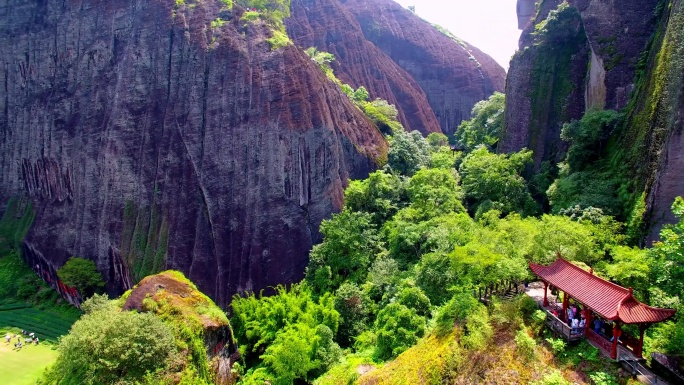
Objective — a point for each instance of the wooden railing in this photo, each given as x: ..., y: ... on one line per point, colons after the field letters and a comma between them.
x: 562, y: 329
x: 628, y: 342
x: 601, y: 342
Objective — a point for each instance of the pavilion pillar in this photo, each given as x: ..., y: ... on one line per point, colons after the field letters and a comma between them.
x: 566, y: 302
x: 587, y: 317
x: 546, y: 301
x: 616, y: 335
x: 640, y: 349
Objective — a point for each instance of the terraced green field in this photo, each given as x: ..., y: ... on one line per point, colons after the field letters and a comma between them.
x: 48, y: 326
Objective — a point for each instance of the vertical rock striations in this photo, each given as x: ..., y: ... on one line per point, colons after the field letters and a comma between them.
x: 328, y: 26
x: 452, y: 75
x: 149, y: 137
x: 584, y: 57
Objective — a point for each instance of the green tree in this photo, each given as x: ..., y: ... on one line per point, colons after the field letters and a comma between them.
x: 350, y: 244
x: 497, y: 178
x: 397, y: 328
x: 257, y: 321
x: 437, y: 140
x: 383, y: 277
x: 383, y: 115
x: 355, y: 309
x: 669, y: 254
x: 631, y: 267
x: 109, y: 346
x: 443, y: 157
x: 588, y: 137
x: 486, y: 123
x: 291, y: 355
x: 435, y: 276
x: 408, y: 152
x: 381, y: 195
x: 413, y: 298
x: 81, y: 274
x: 561, y: 235
x: 434, y: 192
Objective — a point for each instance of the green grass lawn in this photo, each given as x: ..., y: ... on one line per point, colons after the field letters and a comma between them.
x: 25, y: 366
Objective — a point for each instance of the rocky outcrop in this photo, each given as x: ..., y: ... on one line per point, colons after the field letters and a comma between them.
x: 545, y: 87
x: 450, y: 73
x: 526, y: 10
x: 151, y: 135
x: 598, y: 65
x: 328, y: 26
x: 177, y: 301
x: 632, y: 62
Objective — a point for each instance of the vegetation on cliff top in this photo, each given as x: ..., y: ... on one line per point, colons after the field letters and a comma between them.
x: 155, y: 333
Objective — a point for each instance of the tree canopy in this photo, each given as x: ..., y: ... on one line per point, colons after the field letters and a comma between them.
x: 81, y: 274
x: 108, y: 346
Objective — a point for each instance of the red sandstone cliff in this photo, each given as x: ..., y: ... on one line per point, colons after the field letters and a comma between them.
x: 434, y: 80
x: 149, y: 139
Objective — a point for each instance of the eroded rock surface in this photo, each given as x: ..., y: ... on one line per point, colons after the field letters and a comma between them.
x: 149, y: 138
x: 608, y: 34
x: 446, y: 77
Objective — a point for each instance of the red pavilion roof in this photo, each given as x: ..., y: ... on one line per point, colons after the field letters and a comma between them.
x: 610, y: 301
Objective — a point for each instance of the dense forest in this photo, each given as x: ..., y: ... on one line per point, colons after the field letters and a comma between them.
x: 415, y: 240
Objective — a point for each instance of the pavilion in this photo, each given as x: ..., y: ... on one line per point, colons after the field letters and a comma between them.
x: 604, y: 298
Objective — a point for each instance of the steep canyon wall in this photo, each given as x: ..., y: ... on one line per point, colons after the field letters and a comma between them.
x: 149, y: 138
x: 435, y: 80
x: 630, y: 60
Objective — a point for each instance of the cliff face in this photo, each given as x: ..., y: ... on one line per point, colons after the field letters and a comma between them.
x: 419, y: 67
x: 653, y: 132
x: 628, y: 56
x: 552, y: 81
x: 149, y: 137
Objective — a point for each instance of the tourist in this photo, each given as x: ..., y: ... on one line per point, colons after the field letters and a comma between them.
x: 571, y: 314
x: 8, y: 337
x: 575, y: 324
x: 32, y: 334
x: 582, y: 322
x: 35, y: 340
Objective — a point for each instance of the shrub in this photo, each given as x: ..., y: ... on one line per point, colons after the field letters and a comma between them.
x: 557, y: 345
x: 110, y: 346
x: 81, y: 274
x: 602, y: 378
x: 525, y: 344
x: 553, y: 378
x: 478, y: 330
x: 457, y: 309
x: 278, y: 40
